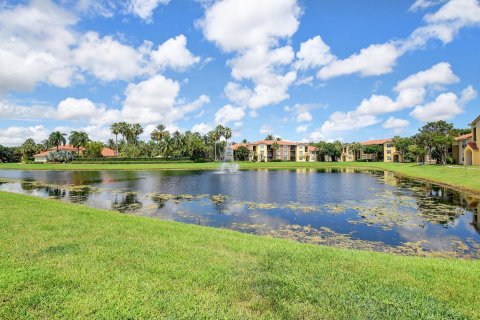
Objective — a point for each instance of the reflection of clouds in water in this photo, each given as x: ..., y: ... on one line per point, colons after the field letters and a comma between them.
x: 437, y: 241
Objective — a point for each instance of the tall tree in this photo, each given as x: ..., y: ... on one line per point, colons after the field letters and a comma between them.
x: 269, y: 137
x: 116, y: 129
x: 78, y: 139
x: 57, y: 138
x: 436, y: 137
x: 29, y: 148
x: 159, y: 133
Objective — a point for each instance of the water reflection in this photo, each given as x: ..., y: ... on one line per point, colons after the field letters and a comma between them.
x: 342, y: 207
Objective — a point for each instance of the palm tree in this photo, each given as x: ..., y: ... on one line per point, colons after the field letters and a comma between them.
x: 116, y: 128
x: 244, y: 141
x: 78, y: 139
x: 134, y: 131
x: 269, y: 137
x: 275, y: 147
x: 167, y: 146
x: 219, y: 129
x: 57, y: 138
x: 357, y: 148
x: 159, y: 133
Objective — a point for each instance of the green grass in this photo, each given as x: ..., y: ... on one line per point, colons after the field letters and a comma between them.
x: 60, y: 260
x: 454, y: 176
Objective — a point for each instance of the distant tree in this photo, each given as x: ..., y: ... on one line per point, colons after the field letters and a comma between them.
x: 93, y: 149
x: 244, y: 141
x: 111, y: 144
x: 357, y: 149
x: 333, y: 150
x: 116, y: 129
x: 242, y: 153
x: 269, y: 137
x: 57, y: 138
x: 29, y: 148
x: 436, y: 137
x: 373, y: 149
x: 417, y: 152
x: 275, y: 147
x: 459, y: 132
x: 402, y: 145
x: 78, y: 139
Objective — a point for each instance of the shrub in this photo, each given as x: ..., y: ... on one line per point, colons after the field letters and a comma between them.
x: 60, y: 156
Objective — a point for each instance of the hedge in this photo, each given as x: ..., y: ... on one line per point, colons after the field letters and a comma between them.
x: 130, y: 160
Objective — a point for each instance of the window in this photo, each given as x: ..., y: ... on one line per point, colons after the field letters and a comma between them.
x: 301, y: 153
x: 389, y: 158
x: 389, y: 145
x: 389, y: 151
x: 285, y: 158
x: 262, y: 146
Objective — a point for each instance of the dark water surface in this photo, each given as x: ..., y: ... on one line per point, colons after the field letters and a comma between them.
x: 339, y: 207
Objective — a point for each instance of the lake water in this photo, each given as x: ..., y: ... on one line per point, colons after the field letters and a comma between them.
x: 338, y: 207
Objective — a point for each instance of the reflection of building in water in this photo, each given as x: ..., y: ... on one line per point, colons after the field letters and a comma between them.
x: 389, y: 178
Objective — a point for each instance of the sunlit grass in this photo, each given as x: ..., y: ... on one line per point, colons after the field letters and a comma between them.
x: 60, y: 260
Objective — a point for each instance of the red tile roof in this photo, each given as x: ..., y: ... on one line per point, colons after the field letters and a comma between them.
x: 312, y: 148
x: 280, y: 143
x: 107, y: 153
x: 463, y: 137
x: 371, y: 142
x: 473, y: 145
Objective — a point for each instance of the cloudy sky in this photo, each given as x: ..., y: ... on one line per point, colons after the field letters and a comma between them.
x: 299, y: 69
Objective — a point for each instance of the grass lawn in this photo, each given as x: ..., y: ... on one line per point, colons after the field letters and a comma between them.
x: 455, y: 176
x: 60, y: 260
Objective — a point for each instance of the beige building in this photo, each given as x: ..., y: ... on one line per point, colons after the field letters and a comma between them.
x: 389, y: 153
x: 471, y: 152
x: 458, y: 148
x: 268, y: 150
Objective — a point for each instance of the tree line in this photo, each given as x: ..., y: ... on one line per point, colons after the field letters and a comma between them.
x: 127, y: 143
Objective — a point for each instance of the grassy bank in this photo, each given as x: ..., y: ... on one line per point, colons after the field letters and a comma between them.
x: 455, y: 176
x: 59, y: 260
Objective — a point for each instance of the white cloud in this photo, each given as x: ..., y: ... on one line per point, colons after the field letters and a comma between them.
x: 439, y: 74
x: 424, y: 4
x: 444, y: 107
x: 252, y: 30
x: 174, y: 54
x: 13, y: 136
x: 374, y: 60
x: 379, y: 59
x: 202, y: 128
x: 347, y: 121
x: 155, y: 100
x: 265, y: 129
x: 468, y: 94
x: 229, y: 113
x: 36, y: 40
x: 313, y: 53
x: 395, y: 123
x: 12, y: 111
x: 302, y: 128
x: 76, y: 109
x: 304, y: 117
x: 144, y: 8
x: 107, y: 59
x: 302, y: 111
x: 237, y: 25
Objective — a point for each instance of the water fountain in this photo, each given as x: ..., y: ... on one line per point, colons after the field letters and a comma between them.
x: 227, y: 164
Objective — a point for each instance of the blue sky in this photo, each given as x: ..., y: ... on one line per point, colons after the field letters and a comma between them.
x: 298, y: 69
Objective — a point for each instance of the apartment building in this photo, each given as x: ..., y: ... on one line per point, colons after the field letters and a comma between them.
x: 471, y: 152
x: 458, y: 148
x: 268, y: 150
x: 389, y: 153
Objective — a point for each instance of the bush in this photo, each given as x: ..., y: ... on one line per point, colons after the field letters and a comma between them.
x: 132, y: 160
x: 276, y: 160
x: 60, y: 156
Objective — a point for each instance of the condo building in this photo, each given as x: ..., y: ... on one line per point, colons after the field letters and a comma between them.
x: 279, y: 150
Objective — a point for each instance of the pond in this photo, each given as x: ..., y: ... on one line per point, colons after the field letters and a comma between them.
x: 338, y: 207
